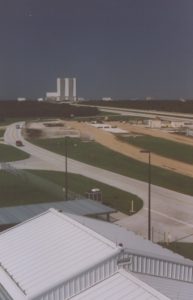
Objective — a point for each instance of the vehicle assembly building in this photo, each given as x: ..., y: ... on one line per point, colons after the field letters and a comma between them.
x: 66, y: 90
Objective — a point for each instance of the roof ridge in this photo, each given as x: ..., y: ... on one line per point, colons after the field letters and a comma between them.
x: 26, y: 221
x: 13, y: 279
x: 85, y: 229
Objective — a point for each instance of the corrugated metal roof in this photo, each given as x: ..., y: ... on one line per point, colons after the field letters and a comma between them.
x: 129, y: 239
x: 50, y: 249
x: 122, y: 286
x: 3, y: 294
x: 17, y: 214
x: 8, y: 288
x: 172, y: 289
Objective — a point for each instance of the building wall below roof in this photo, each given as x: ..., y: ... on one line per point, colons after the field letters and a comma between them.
x: 122, y: 286
x: 82, y: 281
x: 3, y: 294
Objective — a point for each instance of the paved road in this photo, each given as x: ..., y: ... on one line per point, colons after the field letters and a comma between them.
x: 171, y: 116
x: 172, y: 212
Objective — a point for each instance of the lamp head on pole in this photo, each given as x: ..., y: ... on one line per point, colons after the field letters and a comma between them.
x: 145, y: 151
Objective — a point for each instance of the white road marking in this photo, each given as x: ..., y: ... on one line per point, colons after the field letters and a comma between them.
x: 170, y: 218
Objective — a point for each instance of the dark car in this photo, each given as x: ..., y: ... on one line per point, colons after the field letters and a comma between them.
x: 19, y: 143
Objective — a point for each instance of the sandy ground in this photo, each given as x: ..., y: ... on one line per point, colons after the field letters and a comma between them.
x: 109, y: 140
x: 52, y: 132
x: 162, y: 133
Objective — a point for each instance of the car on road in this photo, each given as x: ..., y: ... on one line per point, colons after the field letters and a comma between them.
x: 19, y: 143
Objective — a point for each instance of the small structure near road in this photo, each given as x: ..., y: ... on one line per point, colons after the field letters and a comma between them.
x: 154, y: 123
x: 107, y: 127
x: 94, y: 194
x: 158, y: 123
x: 189, y: 132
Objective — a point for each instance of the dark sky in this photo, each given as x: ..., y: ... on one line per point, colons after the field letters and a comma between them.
x: 118, y: 48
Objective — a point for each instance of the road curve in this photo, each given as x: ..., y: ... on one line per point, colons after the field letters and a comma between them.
x: 171, y: 211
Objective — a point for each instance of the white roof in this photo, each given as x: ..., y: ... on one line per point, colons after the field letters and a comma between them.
x: 171, y: 288
x: 123, y: 286
x: 46, y: 251
x: 133, y: 242
x: 107, y: 127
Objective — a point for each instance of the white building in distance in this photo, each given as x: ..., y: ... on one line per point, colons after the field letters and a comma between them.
x: 66, y: 90
x: 107, y: 99
x: 21, y: 99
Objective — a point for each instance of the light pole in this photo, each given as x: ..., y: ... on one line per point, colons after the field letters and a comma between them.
x: 149, y: 192
x: 66, y: 168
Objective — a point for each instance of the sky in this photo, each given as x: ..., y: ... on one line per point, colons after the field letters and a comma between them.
x: 124, y: 49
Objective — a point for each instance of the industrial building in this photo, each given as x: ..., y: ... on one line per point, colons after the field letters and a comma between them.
x: 59, y: 256
x: 158, y: 123
x: 66, y: 90
x: 153, y: 123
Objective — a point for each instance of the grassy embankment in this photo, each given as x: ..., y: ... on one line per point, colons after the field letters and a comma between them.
x: 106, y: 116
x: 2, y: 131
x: 102, y: 157
x: 184, y: 249
x: 150, y: 105
x: 29, y: 187
x: 161, y: 146
x: 9, y: 153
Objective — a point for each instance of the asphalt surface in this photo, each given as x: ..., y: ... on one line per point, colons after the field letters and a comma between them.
x: 170, y: 116
x: 171, y: 214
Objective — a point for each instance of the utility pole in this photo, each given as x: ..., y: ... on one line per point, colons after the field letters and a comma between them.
x: 149, y: 192
x: 66, y: 168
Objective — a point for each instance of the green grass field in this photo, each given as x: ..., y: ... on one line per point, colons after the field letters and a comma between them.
x: 9, y: 153
x: 108, y: 116
x: 163, y: 147
x: 102, y: 157
x: 29, y: 187
x: 125, y: 118
x: 8, y: 121
x: 184, y: 249
x: 2, y: 131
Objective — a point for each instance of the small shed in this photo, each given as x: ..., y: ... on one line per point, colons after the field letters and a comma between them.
x: 154, y: 123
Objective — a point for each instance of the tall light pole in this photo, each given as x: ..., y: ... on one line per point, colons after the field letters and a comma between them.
x: 66, y: 168
x: 149, y: 192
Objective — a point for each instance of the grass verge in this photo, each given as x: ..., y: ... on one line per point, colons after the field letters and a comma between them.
x: 2, y: 131
x: 108, y: 116
x: 27, y: 187
x: 102, y: 157
x: 163, y: 147
x: 184, y: 249
x: 9, y: 153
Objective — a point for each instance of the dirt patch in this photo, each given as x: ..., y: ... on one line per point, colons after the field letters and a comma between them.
x: 58, y: 124
x: 31, y: 133
x: 154, y: 132
x: 109, y: 140
x: 54, y: 130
